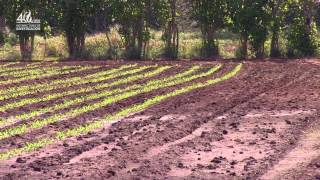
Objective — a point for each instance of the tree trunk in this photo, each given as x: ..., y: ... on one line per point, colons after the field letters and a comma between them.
x: 76, y: 45
x: 275, y: 52
x: 260, y: 51
x: 244, y: 46
x: 140, y: 37
x: 210, y: 48
x: 26, y: 41
x: 172, y: 34
x: 2, y: 29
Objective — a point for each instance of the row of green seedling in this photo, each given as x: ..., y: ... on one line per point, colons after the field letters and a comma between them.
x: 58, y: 84
x: 70, y: 102
x: 7, y: 64
x: 151, y: 86
x: 17, y: 69
x: 66, y: 103
x: 90, y: 89
x: 112, y: 74
x: 24, y: 75
x: 35, y: 71
x: 48, y: 73
x: 83, y: 129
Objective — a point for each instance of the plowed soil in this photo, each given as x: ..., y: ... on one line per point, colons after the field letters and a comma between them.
x: 262, y: 124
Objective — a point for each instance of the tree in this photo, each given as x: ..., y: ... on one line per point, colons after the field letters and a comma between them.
x: 135, y: 19
x: 38, y: 9
x: 2, y: 26
x: 301, y: 32
x: 250, y: 18
x: 211, y: 15
x: 277, y: 23
x: 73, y: 18
x: 26, y: 38
x: 171, y: 33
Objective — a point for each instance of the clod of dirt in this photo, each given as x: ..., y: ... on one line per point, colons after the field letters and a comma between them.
x: 211, y: 167
x: 273, y: 142
x: 288, y: 122
x: 21, y: 160
x: 180, y: 165
x: 65, y: 144
x: 233, y: 163
x: 38, y: 169
x: 111, y: 173
x: 218, y: 160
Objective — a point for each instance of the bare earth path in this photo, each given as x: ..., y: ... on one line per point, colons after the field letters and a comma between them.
x: 262, y: 124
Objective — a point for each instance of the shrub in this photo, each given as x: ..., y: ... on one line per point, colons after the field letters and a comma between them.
x: 56, y: 47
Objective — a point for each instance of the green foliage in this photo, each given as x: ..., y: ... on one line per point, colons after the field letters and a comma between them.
x: 73, y: 18
x: 301, y: 31
x: 13, y: 9
x: 135, y: 19
x: 250, y: 18
x: 211, y: 16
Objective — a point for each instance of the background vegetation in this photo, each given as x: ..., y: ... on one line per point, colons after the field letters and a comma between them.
x: 155, y: 29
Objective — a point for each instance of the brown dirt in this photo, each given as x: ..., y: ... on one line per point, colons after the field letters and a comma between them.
x: 260, y: 124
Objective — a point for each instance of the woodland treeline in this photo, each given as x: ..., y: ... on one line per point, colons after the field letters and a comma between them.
x: 254, y: 21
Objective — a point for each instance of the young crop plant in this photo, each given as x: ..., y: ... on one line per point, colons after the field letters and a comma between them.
x: 30, y: 70
x: 67, y: 102
x: 104, y: 94
x: 9, y: 69
x: 72, y: 92
x: 66, y: 70
x: 97, y: 124
x: 7, y: 64
x: 61, y: 83
x: 36, y: 71
x: 151, y: 86
x: 21, y: 76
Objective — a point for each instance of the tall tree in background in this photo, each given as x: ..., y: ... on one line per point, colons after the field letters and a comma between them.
x: 39, y: 9
x: 135, y: 19
x: 250, y: 18
x: 26, y: 38
x: 2, y: 23
x: 301, y: 32
x: 171, y: 33
x: 276, y: 26
x: 74, y: 16
x: 211, y: 15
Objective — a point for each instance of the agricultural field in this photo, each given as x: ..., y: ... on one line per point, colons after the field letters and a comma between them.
x: 161, y: 119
